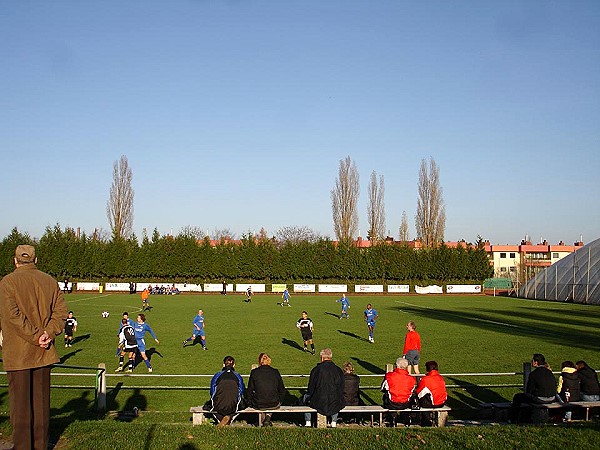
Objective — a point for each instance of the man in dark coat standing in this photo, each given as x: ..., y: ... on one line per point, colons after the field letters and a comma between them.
x: 326, y: 388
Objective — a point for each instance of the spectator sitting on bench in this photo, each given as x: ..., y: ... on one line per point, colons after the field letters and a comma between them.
x: 351, y: 385
x: 398, y: 386
x: 226, y: 390
x: 590, y: 389
x: 325, y: 389
x: 431, y: 391
x: 541, y: 388
x: 568, y: 385
x: 265, y: 388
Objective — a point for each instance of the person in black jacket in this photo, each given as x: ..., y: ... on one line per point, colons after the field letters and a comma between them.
x: 265, y: 388
x: 569, y: 383
x: 351, y: 385
x: 326, y: 388
x: 541, y: 388
x: 590, y: 389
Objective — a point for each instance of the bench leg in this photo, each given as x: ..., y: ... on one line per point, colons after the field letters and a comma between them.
x: 321, y: 421
x: 197, y: 418
x: 442, y: 416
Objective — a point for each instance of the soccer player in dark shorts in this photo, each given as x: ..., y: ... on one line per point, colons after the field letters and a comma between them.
x: 306, y: 328
x: 70, y: 328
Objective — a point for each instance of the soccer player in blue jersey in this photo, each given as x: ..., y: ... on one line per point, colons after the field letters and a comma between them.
x: 140, y: 329
x: 286, y: 298
x: 198, y: 330
x: 370, y: 317
x: 345, y: 305
x: 306, y: 328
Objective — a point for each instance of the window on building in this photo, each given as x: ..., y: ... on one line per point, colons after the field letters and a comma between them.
x: 513, y: 255
x: 554, y: 255
x: 512, y: 269
x: 502, y: 255
x: 502, y: 269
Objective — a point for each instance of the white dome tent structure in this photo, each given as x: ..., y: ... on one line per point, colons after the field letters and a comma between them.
x: 575, y: 278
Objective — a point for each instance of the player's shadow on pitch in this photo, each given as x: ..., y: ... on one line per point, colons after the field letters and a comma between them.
x: 83, y: 337
x: 353, y: 335
x: 337, y: 316
x: 368, y: 366
x: 292, y: 344
x: 68, y: 356
x: 197, y: 340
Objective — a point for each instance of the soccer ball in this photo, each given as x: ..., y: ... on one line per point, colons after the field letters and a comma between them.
x: 105, y: 314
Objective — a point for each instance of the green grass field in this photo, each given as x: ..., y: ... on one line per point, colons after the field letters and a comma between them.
x: 465, y: 334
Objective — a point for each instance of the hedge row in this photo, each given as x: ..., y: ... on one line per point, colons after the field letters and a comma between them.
x: 182, y: 259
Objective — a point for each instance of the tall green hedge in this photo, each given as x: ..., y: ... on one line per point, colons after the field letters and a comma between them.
x: 182, y: 259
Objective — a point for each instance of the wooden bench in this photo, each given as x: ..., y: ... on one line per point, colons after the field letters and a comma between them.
x: 587, y: 406
x: 198, y: 413
x: 440, y: 414
x: 368, y: 409
x: 499, y: 410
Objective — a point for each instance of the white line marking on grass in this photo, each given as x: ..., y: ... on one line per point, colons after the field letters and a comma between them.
x: 86, y: 298
x: 459, y: 315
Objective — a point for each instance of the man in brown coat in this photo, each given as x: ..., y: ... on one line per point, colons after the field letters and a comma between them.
x: 32, y: 314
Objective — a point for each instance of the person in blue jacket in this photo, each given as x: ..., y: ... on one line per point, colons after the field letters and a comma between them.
x: 226, y: 392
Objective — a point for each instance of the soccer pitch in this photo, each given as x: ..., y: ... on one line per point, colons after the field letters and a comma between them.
x: 464, y: 334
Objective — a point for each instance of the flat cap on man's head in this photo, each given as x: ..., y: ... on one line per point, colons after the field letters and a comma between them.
x: 25, y: 253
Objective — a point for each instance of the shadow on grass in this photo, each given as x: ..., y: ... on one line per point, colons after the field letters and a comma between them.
x: 353, y: 335
x: 292, y: 344
x: 149, y: 353
x: 513, y: 324
x: 83, y: 337
x: 77, y: 409
x: 368, y: 366
x: 337, y: 316
x: 68, y: 356
x: 136, y: 403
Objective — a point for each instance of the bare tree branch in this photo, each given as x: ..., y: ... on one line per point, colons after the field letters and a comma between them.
x: 376, y: 208
x: 344, y: 201
x: 119, y: 207
x: 403, y: 232
x: 295, y: 234
x: 430, y: 219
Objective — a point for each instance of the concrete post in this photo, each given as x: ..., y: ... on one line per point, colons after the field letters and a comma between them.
x: 101, y: 387
x: 526, y: 373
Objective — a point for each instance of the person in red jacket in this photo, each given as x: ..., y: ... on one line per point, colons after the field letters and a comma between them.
x: 398, y: 387
x: 412, y: 347
x: 432, y: 387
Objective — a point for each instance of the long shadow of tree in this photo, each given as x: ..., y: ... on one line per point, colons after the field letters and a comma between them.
x: 513, y: 324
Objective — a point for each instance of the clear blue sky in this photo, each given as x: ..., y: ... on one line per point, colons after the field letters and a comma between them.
x: 235, y: 114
